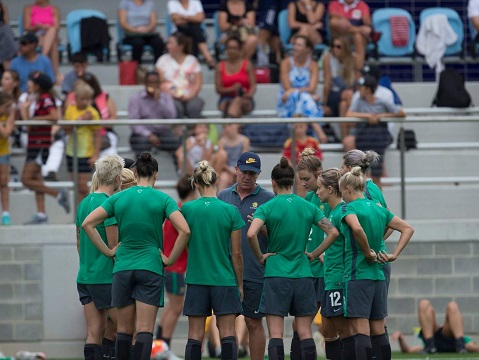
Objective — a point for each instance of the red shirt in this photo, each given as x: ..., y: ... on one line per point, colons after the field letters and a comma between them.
x: 355, y: 12
x: 169, y: 237
x: 300, y: 146
x: 39, y: 137
x: 240, y: 77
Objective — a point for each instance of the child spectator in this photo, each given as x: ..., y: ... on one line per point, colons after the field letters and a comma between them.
x: 198, y: 147
x: 302, y: 140
x: 39, y: 141
x: 7, y: 123
x: 80, y: 65
x: 88, y: 139
x: 233, y: 144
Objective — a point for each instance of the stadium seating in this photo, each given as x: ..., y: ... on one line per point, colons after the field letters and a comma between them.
x: 381, y: 23
x: 455, y: 22
x: 122, y: 48
x: 474, y: 45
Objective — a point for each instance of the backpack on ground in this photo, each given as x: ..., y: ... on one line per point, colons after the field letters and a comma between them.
x: 451, y: 91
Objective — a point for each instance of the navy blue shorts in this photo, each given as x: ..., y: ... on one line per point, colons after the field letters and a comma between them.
x: 332, y: 304
x: 200, y: 300
x: 319, y: 287
x: 38, y: 156
x: 175, y: 283
x: 252, y: 299
x: 365, y: 299
x: 137, y: 285
x: 100, y: 294
x: 83, y: 166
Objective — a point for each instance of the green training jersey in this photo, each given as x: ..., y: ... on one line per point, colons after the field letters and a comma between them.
x: 95, y: 268
x: 140, y: 212
x: 373, y: 219
x: 373, y: 192
x: 334, y: 255
x: 211, y: 222
x: 288, y: 219
x: 316, y: 235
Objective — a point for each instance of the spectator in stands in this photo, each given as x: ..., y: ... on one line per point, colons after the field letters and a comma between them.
x: 235, y: 81
x: 305, y: 17
x: 7, y: 124
x: 106, y: 107
x: 43, y: 19
x: 446, y: 338
x: 373, y: 134
x: 138, y: 20
x: 152, y: 103
x: 299, y: 81
x: 9, y: 47
x: 352, y: 18
x: 80, y: 65
x: 233, y: 143
x: 473, y: 15
x: 180, y: 76
x: 10, y: 84
x: 39, y: 140
x: 237, y: 17
x: 339, y: 69
x: 88, y: 142
x: 267, y: 20
x: 186, y: 17
x: 30, y: 61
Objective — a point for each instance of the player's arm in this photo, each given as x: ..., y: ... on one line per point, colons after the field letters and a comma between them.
x: 112, y: 235
x: 360, y: 236
x: 78, y: 239
x: 89, y: 225
x: 331, y: 235
x: 406, y: 233
x: 237, y: 258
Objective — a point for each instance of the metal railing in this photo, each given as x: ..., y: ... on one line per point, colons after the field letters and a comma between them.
x: 402, y: 180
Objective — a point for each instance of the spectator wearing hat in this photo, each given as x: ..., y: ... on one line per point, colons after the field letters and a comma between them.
x: 373, y: 134
x: 247, y: 196
x: 39, y: 141
x: 30, y: 61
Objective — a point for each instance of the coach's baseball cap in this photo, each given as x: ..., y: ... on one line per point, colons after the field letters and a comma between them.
x: 249, y: 161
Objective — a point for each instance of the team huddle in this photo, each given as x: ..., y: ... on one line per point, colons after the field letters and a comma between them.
x: 251, y: 252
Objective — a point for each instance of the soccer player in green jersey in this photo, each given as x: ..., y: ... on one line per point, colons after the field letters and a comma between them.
x: 365, y: 295
x: 96, y: 271
x: 288, y: 280
x: 214, y: 273
x: 137, y: 288
x: 309, y: 168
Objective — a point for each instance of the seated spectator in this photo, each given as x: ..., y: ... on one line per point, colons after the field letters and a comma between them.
x: 180, y: 76
x: 305, y: 17
x: 339, y: 69
x: 39, y: 140
x: 9, y: 42
x: 138, y: 20
x: 186, y: 17
x: 237, y: 18
x: 302, y: 141
x: 10, y: 84
x: 198, y: 148
x: 352, y: 18
x: 88, y: 141
x: 373, y: 134
x: 446, y: 338
x: 299, y: 81
x: 152, y: 103
x: 233, y: 143
x: 473, y: 15
x: 43, y: 19
x: 106, y: 107
x: 30, y: 61
x: 80, y: 66
x: 235, y: 81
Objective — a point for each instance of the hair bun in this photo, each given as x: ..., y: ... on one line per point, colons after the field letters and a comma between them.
x: 309, y: 151
x: 356, y: 171
x: 284, y: 163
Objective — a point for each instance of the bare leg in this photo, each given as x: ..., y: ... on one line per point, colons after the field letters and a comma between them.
x: 50, y: 47
x: 257, y: 338
x: 453, y: 324
x: 203, y: 47
x: 427, y: 318
x: 249, y: 47
x: 96, y: 323
x: 196, y: 327
x: 349, y: 142
x: 170, y: 315
x: 4, y: 190
x: 360, y: 47
x: 126, y: 319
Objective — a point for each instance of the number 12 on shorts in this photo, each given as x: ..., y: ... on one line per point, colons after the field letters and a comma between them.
x: 335, y: 298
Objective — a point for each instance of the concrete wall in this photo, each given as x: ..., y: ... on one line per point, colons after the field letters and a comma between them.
x: 39, y: 307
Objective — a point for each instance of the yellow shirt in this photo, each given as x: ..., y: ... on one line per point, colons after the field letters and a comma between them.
x: 4, y: 144
x: 85, y: 146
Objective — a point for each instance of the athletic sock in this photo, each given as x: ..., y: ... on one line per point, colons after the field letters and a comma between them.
x: 143, y: 344
x: 460, y: 345
x: 429, y: 346
x: 159, y: 333
x: 92, y: 352
x: 193, y: 350
x: 363, y: 346
x: 295, y: 350
x: 381, y: 347
x: 308, y: 349
x: 123, y: 346
x: 166, y: 340
x: 348, y: 351
x: 276, y: 349
x: 229, y: 348
x: 106, y: 346
x: 333, y: 349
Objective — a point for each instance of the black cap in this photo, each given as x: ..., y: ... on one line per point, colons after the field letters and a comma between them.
x: 249, y: 161
x: 41, y: 79
x: 368, y: 81
x: 372, y: 70
x: 29, y: 38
